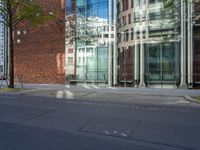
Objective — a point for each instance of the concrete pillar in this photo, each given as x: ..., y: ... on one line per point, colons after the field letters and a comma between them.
x: 142, y: 41
x: 110, y: 45
x: 190, y: 45
x: 142, y: 83
x: 136, y: 59
x: 183, y: 46
x: 115, y: 45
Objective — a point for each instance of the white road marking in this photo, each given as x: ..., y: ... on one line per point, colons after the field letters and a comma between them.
x: 96, y: 87
x: 87, y: 87
x: 113, y: 88
x: 69, y: 94
x: 60, y: 95
x: 106, y: 132
x: 124, y: 135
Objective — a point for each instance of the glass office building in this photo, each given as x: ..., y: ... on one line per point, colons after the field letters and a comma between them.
x: 158, y: 35
x: 90, y: 38
x: 2, y: 47
x: 141, y: 43
x: 152, y: 33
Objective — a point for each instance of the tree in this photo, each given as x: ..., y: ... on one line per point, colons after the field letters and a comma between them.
x: 15, y: 11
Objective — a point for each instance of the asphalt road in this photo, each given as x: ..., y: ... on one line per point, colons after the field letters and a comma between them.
x: 39, y: 123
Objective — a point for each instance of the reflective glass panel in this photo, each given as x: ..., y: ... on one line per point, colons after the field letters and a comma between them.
x: 92, y: 40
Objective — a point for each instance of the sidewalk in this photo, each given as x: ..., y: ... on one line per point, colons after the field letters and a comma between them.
x: 122, y: 90
x: 120, y: 95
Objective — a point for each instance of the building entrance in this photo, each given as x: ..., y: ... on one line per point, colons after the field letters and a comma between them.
x: 162, y: 63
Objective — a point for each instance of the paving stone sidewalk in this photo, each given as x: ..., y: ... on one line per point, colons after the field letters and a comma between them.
x: 111, y: 94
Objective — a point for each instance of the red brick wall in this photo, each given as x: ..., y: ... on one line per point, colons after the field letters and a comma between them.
x: 39, y: 57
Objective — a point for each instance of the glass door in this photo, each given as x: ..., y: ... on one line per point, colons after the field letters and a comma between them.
x: 162, y: 62
x: 153, y: 63
x: 168, y: 63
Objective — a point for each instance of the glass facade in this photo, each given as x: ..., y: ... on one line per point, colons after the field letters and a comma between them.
x: 162, y: 62
x: 151, y: 46
x: 155, y: 39
x: 163, y: 57
x: 94, y: 36
x: 2, y: 52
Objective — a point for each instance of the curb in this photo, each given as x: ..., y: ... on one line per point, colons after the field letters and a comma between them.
x: 29, y: 91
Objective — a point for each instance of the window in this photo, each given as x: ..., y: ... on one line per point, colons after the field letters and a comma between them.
x: 124, y: 5
x: 70, y: 60
x: 137, y: 2
x: 127, y: 35
x: 124, y: 20
x: 132, y: 33
x: 129, y: 18
x: 119, y: 22
x: 138, y: 34
x: 118, y: 8
x: 119, y: 37
x: 136, y: 16
x: 70, y: 50
x: 105, y: 35
x: 132, y: 3
x: 1, y: 68
x: 154, y: 1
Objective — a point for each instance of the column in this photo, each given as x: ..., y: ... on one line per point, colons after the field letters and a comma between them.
x: 190, y: 45
x: 110, y: 45
x: 142, y: 83
x: 142, y: 28
x: 136, y: 62
x: 115, y: 45
x: 183, y: 46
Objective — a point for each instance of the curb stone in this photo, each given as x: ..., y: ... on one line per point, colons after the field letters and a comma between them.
x: 46, y: 93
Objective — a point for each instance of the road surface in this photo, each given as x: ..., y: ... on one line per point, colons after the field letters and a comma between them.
x: 39, y: 123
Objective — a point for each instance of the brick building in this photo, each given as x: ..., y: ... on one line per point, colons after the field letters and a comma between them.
x: 39, y: 52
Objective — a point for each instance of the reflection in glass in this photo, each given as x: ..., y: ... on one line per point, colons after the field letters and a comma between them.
x: 92, y: 40
x: 161, y: 62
